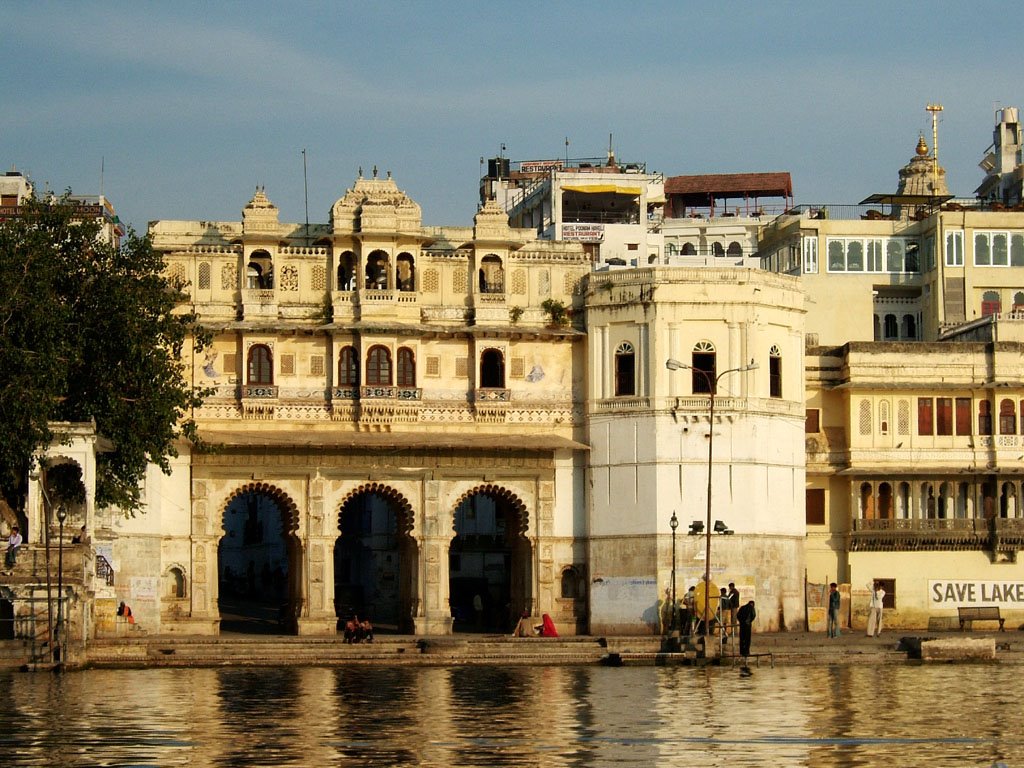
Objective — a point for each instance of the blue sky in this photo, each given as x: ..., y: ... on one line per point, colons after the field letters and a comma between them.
x: 190, y: 105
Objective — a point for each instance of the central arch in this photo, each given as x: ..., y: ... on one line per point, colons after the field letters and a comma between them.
x: 490, y: 573
x: 375, y: 558
x: 259, y: 560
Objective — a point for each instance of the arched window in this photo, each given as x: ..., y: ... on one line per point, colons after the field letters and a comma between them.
x: 571, y: 584
x: 406, y: 367
x: 892, y: 330
x: 885, y: 502
x: 883, y: 417
x: 775, y: 372
x: 867, y: 502
x: 378, y: 367
x: 735, y: 249
x: 492, y: 369
x: 204, y: 275
x: 903, y: 509
x: 492, y: 274
x: 984, y: 417
x: 928, y: 502
x: 990, y: 303
x: 174, y: 580
x: 348, y: 367
x: 346, y: 271
x: 260, y: 365
x: 717, y: 249
x: 688, y: 249
x: 1018, y: 301
x: 1007, y: 417
x: 625, y: 370
x: 260, y: 270
x: 702, y: 362
x: 1008, y: 500
x: 405, y: 275
x: 909, y: 327
x: 377, y: 270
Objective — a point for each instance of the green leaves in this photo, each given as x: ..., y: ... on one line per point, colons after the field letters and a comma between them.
x: 89, y: 331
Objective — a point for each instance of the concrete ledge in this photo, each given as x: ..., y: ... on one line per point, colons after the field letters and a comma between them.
x: 959, y: 649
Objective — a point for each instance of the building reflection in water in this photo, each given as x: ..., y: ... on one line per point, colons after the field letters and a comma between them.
x: 551, y: 716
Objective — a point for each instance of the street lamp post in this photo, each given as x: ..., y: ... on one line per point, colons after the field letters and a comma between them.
x: 673, y: 524
x: 62, y: 515
x: 712, y: 384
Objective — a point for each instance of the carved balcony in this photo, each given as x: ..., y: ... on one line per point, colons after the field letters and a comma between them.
x: 949, y: 534
x: 491, y: 405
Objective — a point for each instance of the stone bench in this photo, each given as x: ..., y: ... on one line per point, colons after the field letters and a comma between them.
x: 980, y: 613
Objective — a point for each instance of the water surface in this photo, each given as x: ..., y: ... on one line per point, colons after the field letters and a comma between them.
x: 487, y: 716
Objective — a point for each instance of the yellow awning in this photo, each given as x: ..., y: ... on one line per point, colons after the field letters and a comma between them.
x: 596, y: 188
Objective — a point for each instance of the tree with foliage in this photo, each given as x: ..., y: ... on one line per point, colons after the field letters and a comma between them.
x: 89, y: 331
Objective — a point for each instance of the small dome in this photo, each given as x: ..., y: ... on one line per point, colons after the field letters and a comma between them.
x: 922, y: 148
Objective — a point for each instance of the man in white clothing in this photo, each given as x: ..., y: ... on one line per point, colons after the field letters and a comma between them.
x: 875, y: 609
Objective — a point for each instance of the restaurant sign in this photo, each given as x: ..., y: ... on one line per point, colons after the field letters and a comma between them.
x: 583, y: 233
x: 952, y: 594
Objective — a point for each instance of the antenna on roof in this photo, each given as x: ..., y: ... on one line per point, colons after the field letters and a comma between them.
x: 611, y: 152
x: 101, y: 175
x: 935, y: 109
x: 305, y: 189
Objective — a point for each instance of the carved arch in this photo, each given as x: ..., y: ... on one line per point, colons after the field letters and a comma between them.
x: 502, y: 493
x: 404, y: 516
x: 288, y: 508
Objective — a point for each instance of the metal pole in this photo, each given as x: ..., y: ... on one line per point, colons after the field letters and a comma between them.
x: 673, y: 523
x: 707, y: 554
x: 59, y: 634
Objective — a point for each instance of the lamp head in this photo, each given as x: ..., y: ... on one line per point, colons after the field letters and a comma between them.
x: 673, y: 522
x: 62, y: 513
x: 674, y: 365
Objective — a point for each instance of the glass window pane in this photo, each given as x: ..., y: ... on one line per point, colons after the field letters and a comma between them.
x: 874, y: 256
x: 894, y: 256
x: 999, y: 249
x: 855, y: 256
x: 912, y: 261
x: 1017, y: 250
x: 982, y: 256
x: 836, y: 256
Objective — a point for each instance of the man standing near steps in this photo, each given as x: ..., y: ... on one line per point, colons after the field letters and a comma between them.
x: 875, y: 609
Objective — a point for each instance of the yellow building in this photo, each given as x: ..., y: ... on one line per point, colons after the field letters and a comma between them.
x: 913, y: 382
x: 396, y: 412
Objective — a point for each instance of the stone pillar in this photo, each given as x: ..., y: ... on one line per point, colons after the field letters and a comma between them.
x: 204, y: 616
x: 543, y: 588
x: 433, y: 611
x: 317, y: 615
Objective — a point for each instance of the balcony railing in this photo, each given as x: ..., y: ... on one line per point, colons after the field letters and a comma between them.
x: 937, y: 534
x: 259, y: 391
x: 490, y: 395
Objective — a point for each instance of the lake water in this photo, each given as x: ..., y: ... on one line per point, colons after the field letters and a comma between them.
x: 537, y: 716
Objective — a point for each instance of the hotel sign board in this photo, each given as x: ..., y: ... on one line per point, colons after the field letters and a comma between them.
x: 955, y: 594
x: 583, y: 233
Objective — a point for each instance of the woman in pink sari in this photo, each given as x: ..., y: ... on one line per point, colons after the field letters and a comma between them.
x: 547, y: 628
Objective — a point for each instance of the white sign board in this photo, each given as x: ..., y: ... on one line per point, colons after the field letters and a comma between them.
x: 953, y: 594
x: 583, y: 233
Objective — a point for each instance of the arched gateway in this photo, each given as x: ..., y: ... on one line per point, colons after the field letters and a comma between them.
x: 489, y: 561
x: 375, y: 558
x: 259, y: 562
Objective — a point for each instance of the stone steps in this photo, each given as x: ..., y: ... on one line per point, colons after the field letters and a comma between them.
x: 164, y: 651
